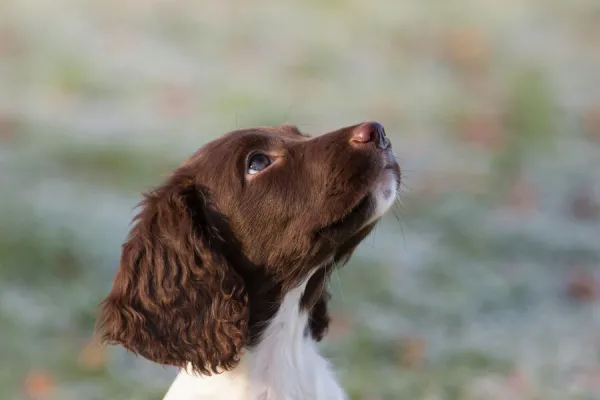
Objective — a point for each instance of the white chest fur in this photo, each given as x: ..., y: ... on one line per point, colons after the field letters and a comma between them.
x: 285, y: 365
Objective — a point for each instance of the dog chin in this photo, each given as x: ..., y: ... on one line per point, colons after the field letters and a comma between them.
x: 383, y: 194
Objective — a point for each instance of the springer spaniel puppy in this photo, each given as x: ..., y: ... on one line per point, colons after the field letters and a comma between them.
x: 225, y: 272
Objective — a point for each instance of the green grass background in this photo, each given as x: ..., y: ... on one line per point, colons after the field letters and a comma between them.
x: 483, y: 287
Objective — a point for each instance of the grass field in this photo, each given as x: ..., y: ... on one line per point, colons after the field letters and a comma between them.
x: 482, y: 285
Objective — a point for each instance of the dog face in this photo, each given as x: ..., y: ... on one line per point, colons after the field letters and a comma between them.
x: 242, y: 221
x: 295, y: 202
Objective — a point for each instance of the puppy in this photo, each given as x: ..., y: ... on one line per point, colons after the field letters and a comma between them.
x: 224, y: 272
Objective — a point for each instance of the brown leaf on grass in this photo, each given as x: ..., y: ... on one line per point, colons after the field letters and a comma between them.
x: 588, y: 379
x: 9, y: 126
x: 39, y: 384
x: 522, y: 196
x: 175, y: 101
x: 339, y: 326
x: 467, y: 49
x: 93, y: 355
x: 584, y: 206
x: 582, y: 285
x: 411, y: 352
x: 67, y: 266
x: 11, y: 45
x: 436, y: 184
x: 591, y: 123
x: 482, y: 130
x: 518, y: 383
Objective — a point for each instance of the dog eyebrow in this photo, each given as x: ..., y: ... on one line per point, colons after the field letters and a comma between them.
x: 293, y: 129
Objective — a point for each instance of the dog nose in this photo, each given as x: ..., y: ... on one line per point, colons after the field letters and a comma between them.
x: 370, y: 132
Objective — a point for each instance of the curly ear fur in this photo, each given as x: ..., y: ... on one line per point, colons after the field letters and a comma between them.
x: 175, y: 299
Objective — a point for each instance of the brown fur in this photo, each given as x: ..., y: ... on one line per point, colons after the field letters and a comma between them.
x: 213, y: 250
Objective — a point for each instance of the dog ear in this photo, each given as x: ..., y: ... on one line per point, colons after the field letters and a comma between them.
x: 175, y: 299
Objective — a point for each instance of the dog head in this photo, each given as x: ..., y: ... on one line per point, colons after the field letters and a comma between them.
x: 244, y: 220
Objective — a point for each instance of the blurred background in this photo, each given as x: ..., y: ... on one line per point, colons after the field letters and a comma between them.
x: 483, y: 285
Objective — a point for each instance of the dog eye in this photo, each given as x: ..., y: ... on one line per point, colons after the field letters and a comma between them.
x: 257, y: 163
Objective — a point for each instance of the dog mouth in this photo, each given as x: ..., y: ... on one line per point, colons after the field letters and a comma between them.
x: 353, y: 218
x: 376, y: 199
x: 359, y: 210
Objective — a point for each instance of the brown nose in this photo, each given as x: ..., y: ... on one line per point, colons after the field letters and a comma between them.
x: 370, y: 132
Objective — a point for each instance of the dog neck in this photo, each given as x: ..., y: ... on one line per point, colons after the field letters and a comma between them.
x: 284, y: 365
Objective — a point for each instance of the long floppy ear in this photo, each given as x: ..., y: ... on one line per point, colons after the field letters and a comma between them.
x: 175, y: 299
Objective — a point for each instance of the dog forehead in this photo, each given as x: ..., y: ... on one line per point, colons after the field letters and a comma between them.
x: 281, y: 134
x: 244, y: 140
